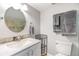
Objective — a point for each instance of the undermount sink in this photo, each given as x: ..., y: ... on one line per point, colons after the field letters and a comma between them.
x: 13, y: 45
x: 18, y: 44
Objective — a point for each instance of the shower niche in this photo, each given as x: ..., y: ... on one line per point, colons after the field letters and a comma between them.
x: 57, y: 22
x: 65, y: 23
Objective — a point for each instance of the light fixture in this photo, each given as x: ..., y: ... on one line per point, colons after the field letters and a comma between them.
x: 24, y: 7
x: 53, y: 3
x: 17, y: 6
x: 20, y: 6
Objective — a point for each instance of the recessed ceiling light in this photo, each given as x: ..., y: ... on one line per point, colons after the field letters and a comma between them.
x: 53, y: 3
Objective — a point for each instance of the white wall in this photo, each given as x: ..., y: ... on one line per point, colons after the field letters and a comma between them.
x: 32, y: 15
x: 46, y: 24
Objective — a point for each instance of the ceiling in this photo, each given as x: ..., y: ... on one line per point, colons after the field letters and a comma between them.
x: 41, y: 6
x: 44, y: 6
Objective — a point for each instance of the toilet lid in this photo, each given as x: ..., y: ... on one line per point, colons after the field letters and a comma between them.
x: 59, y: 54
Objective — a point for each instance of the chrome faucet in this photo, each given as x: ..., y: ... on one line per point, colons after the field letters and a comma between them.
x: 16, y: 38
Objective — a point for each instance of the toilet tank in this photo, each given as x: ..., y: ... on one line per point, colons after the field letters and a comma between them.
x: 63, y: 47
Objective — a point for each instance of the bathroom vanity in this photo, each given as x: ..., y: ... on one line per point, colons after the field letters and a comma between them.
x: 25, y: 47
x: 16, y: 23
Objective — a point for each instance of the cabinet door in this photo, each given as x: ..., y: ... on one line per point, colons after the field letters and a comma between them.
x: 30, y: 52
x: 37, y: 50
x: 69, y: 23
x: 22, y: 53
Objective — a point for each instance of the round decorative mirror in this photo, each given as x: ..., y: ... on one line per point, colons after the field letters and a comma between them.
x: 14, y: 19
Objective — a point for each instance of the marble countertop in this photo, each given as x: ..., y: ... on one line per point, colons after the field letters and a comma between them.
x: 14, y: 47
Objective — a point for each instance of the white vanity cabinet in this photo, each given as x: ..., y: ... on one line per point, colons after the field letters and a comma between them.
x: 34, y: 50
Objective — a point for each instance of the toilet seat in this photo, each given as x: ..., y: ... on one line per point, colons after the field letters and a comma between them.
x: 59, y: 54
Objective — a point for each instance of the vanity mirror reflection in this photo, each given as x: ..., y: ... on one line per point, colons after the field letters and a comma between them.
x: 14, y: 19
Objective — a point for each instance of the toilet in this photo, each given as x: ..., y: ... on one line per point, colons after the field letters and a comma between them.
x: 63, y: 48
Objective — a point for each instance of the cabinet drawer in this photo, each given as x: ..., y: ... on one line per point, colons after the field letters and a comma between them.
x: 34, y: 50
x: 22, y: 53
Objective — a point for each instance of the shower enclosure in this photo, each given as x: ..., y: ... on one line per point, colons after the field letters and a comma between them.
x: 67, y: 24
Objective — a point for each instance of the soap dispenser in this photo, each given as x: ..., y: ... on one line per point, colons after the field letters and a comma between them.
x: 31, y: 29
